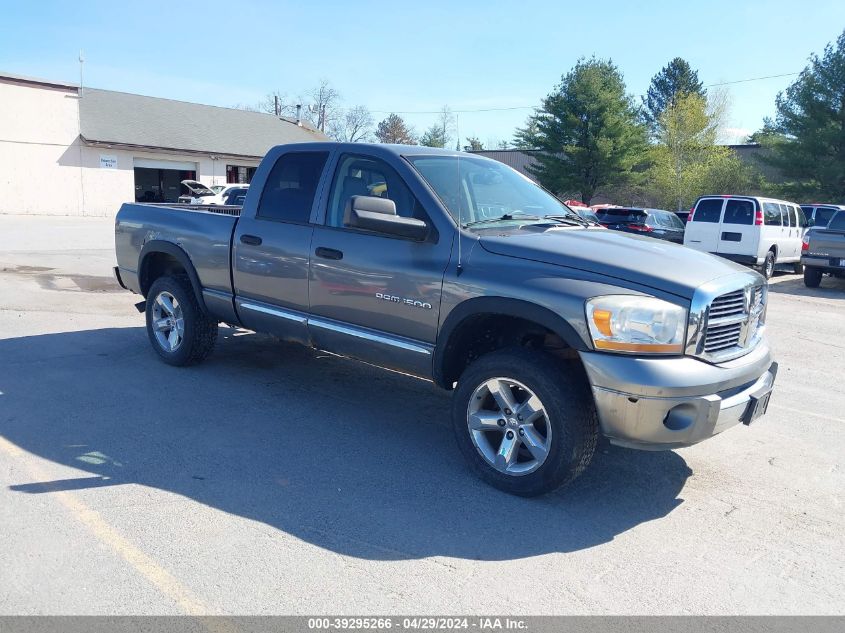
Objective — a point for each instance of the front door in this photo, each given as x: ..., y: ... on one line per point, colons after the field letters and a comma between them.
x: 272, y: 245
x: 375, y: 297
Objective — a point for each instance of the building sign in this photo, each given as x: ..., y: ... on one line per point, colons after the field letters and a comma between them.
x: 108, y: 161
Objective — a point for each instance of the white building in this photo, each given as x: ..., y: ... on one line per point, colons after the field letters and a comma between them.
x: 69, y: 152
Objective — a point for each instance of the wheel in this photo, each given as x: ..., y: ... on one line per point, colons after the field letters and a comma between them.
x: 180, y: 332
x: 812, y: 276
x: 525, y: 422
x: 768, y: 268
x: 798, y: 268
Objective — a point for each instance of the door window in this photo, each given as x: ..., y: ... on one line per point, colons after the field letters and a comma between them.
x: 838, y: 222
x: 802, y: 219
x: 289, y: 193
x: 823, y: 215
x: 771, y: 214
x: 708, y: 210
x: 365, y: 176
x: 739, y: 212
x: 793, y: 218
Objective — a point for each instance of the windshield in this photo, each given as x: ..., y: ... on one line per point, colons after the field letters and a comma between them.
x: 477, y: 190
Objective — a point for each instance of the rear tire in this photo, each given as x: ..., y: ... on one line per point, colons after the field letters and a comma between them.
x: 554, y: 438
x: 179, y: 331
x: 812, y: 277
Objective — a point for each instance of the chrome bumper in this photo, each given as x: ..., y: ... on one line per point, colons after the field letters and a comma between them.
x: 664, y: 403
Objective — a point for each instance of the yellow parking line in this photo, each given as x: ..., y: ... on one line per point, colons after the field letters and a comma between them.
x: 163, y: 580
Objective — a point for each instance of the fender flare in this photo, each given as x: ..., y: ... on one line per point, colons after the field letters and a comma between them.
x: 174, y: 250
x: 499, y: 306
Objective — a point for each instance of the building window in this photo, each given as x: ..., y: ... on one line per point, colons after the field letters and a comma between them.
x: 239, y: 174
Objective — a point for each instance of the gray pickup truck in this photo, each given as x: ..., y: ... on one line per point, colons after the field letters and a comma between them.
x: 823, y: 251
x: 549, y: 329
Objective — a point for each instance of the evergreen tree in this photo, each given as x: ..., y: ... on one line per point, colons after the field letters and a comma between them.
x: 806, y: 140
x: 587, y: 132
x: 675, y: 79
x: 394, y: 130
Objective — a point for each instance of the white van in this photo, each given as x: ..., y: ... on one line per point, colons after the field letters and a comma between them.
x: 749, y: 230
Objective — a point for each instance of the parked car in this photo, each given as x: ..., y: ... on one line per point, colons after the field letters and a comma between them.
x: 823, y: 251
x: 684, y: 216
x: 663, y: 225
x: 820, y: 214
x: 547, y: 329
x: 223, y: 196
x: 235, y: 196
x: 198, y: 193
x: 587, y: 213
x: 749, y: 230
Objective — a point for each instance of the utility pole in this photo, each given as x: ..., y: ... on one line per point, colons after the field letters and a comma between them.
x: 81, y: 62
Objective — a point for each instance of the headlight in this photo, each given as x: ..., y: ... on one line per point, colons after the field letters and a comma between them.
x: 644, y: 325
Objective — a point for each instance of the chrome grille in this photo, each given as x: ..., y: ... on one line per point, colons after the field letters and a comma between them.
x: 733, y: 323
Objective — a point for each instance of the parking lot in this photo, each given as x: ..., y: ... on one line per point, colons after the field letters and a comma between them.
x: 277, y: 480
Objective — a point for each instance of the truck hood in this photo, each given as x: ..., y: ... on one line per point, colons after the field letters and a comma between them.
x: 642, y: 260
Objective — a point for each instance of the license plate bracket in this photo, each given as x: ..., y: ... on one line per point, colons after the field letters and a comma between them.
x: 757, y: 406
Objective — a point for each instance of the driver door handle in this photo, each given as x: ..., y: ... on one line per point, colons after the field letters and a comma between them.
x: 252, y: 240
x: 328, y: 253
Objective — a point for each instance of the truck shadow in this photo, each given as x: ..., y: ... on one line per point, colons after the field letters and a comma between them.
x: 830, y: 288
x: 339, y: 454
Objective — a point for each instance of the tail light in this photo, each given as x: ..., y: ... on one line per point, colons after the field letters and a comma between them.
x: 640, y: 227
x: 758, y: 217
x: 805, y: 245
x: 691, y: 213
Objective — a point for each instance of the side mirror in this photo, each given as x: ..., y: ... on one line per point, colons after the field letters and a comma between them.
x: 379, y: 215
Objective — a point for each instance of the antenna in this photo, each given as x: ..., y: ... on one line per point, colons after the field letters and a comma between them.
x: 81, y: 63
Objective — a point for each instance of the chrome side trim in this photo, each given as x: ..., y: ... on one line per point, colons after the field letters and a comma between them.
x: 298, y: 317
x: 341, y: 328
x: 217, y: 293
x: 370, y: 335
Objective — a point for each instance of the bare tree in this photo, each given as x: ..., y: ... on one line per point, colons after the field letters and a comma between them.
x: 322, y: 106
x: 353, y: 126
x: 275, y: 102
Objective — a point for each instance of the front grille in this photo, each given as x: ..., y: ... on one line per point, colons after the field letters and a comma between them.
x: 733, y: 321
x: 731, y: 304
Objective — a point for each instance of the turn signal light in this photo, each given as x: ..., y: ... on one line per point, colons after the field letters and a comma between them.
x: 758, y: 218
x: 805, y: 245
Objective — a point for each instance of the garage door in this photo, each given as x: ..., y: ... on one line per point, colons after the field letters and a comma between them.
x: 149, y: 163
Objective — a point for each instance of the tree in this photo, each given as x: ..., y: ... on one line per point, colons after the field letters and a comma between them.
x: 322, y: 109
x: 587, y: 132
x: 433, y: 137
x: 353, y: 126
x: 474, y: 144
x: 687, y: 162
x: 440, y: 133
x: 394, y: 130
x: 806, y: 140
x: 676, y: 79
x: 269, y: 103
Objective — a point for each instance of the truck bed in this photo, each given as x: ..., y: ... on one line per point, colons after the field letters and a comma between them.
x: 204, y: 232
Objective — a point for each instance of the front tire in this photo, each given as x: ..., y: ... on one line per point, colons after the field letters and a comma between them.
x: 798, y: 268
x: 525, y: 422
x: 179, y: 331
x: 812, y: 277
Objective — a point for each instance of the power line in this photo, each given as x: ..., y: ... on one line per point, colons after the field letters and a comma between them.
x: 742, y: 81
x: 531, y: 107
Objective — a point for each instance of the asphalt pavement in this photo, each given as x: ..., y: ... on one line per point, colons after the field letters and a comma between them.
x: 274, y: 479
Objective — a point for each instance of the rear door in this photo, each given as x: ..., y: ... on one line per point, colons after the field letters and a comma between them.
x: 737, y: 234
x: 272, y: 244
x: 702, y: 231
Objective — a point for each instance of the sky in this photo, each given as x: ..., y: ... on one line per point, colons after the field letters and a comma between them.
x: 415, y: 57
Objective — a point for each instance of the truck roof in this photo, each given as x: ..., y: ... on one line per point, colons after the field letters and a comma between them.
x: 398, y: 150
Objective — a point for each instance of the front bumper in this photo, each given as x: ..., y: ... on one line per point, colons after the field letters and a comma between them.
x: 663, y: 403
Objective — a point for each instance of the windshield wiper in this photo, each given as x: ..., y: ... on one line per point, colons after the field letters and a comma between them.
x: 573, y: 219
x: 503, y: 218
